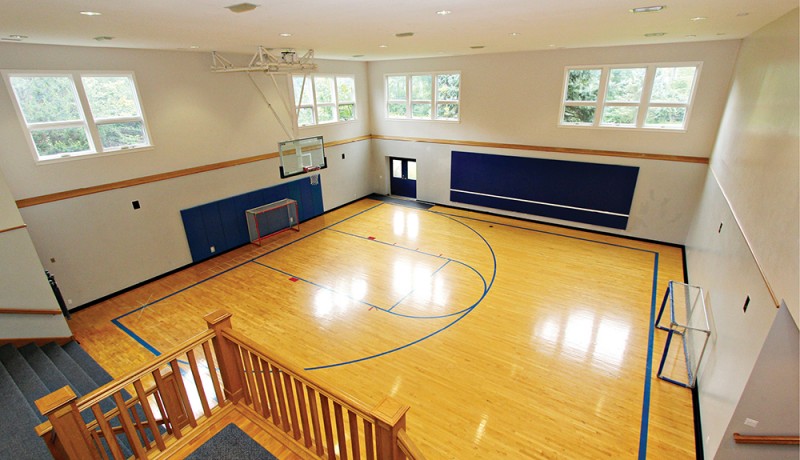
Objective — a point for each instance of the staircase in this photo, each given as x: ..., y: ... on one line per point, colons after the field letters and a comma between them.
x: 31, y: 372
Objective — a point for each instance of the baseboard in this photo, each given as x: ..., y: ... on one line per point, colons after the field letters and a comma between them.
x: 37, y: 340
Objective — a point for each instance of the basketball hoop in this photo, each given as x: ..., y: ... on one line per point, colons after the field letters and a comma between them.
x: 310, y: 168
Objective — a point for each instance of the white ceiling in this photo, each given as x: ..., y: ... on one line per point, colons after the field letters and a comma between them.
x: 346, y: 28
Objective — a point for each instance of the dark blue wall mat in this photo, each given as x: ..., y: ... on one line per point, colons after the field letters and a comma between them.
x: 590, y: 193
x: 222, y: 224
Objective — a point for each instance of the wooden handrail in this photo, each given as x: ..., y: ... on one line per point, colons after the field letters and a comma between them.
x: 28, y: 311
x: 779, y: 440
x: 346, y: 399
x: 408, y: 447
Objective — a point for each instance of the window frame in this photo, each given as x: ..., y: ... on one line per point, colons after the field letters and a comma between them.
x: 643, y: 105
x: 87, y: 119
x: 434, y: 100
x: 315, y: 105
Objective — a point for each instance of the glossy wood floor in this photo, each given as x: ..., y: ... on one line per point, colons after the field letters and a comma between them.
x: 508, y: 339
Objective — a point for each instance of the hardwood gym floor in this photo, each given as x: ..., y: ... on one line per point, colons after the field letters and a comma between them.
x: 508, y: 339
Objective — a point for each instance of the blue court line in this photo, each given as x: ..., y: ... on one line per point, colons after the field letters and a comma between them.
x: 414, y: 289
x: 649, y: 366
x: 150, y: 348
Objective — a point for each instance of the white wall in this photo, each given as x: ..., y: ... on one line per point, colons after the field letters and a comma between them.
x: 23, y: 283
x: 754, y: 164
x: 515, y: 98
x: 99, y: 243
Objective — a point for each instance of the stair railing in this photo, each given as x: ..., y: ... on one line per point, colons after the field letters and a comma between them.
x: 327, y: 423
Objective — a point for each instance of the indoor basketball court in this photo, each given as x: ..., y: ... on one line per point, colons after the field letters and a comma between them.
x: 507, y: 338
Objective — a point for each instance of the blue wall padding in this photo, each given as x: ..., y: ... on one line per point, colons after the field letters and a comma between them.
x: 590, y: 186
x: 222, y: 223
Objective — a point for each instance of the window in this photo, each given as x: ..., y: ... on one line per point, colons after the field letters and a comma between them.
x: 72, y: 114
x: 650, y: 96
x: 324, y: 99
x: 423, y: 96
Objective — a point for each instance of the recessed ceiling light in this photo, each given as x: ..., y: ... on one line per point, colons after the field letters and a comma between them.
x: 551, y: 46
x: 383, y: 46
x: 691, y: 36
x: 194, y: 47
x: 242, y: 7
x: 103, y: 38
x: 648, y: 9
x: 285, y: 34
x: 443, y: 12
x: 743, y: 14
x: 358, y: 55
x: 721, y: 33
x: 514, y: 34
x: 698, y: 18
x: 404, y: 34
x: 91, y: 13
x: 478, y: 47
x: 655, y: 34
x: 17, y: 37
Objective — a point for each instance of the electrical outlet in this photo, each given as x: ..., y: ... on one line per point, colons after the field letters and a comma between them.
x: 750, y: 422
x: 69, y: 301
x: 343, y: 156
x: 52, y: 260
x: 136, y: 204
x: 213, y: 249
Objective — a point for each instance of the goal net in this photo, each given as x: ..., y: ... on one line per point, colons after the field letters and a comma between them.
x: 271, y: 219
x: 688, y: 332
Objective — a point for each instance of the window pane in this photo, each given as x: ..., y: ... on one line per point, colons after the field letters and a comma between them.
x: 46, y: 99
x: 583, y: 84
x: 447, y: 87
x: 665, y: 117
x: 625, y: 85
x: 324, y: 89
x: 673, y: 84
x: 305, y: 116
x: 346, y: 87
x: 421, y: 87
x: 347, y: 112
x: 297, y: 81
x: 447, y: 111
x: 396, y: 87
x: 421, y: 111
x: 111, y: 96
x: 397, y: 169
x: 579, y: 114
x: 121, y: 134
x: 412, y: 170
x: 620, y: 115
x: 60, y: 140
x: 325, y: 114
x: 397, y: 110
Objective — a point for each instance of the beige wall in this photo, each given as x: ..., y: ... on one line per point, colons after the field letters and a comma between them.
x: 752, y: 190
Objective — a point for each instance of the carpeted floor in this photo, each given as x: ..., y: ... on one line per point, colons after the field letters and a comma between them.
x: 231, y: 443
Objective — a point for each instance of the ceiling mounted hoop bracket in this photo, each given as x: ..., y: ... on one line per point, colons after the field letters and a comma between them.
x: 269, y: 61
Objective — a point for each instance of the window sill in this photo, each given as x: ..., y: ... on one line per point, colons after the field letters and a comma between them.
x: 86, y: 155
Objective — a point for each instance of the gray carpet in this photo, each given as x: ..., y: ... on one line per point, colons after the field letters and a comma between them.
x: 231, y: 444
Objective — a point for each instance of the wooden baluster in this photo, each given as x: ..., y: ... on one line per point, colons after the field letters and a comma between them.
x: 162, y: 411
x: 391, y: 417
x: 172, y: 410
x: 312, y: 405
x: 198, y: 382
x: 356, y: 449
x: 326, y: 422
x: 128, y: 428
x: 138, y: 426
x: 262, y: 392
x: 251, y: 393
x: 287, y: 384
x: 369, y: 442
x: 227, y: 355
x: 148, y: 413
x: 340, y: 431
x: 273, y: 408
x: 178, y: 379
x: 60, y: 409
x: 97, y: 442
x: 212, y: 371
x: 303, y: 408
x: 108, y: 433
x: 276, y: 377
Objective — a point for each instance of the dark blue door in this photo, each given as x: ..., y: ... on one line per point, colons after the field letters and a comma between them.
x: 404, y: 177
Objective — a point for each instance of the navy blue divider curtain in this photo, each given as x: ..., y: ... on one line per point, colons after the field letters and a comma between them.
x: 591, y: 193
x: 222, y: 224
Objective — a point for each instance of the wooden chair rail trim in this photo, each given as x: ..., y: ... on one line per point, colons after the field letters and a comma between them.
x: 346, y: 400
x: 780, y: 440
x: 75, y: 193
x: 408, y: 447
x: 544, y: 148
x: 11, y: 229
x: 28, y: 311
x: 112, y: 387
